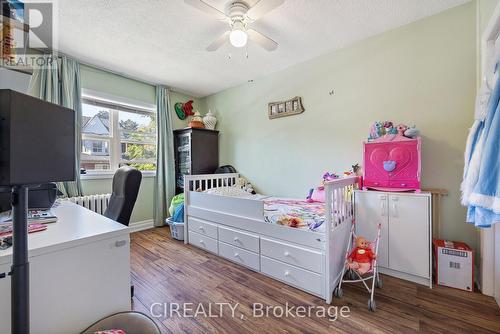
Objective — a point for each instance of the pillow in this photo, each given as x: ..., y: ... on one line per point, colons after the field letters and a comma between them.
x: 318, y: 195
x: 229, y: 191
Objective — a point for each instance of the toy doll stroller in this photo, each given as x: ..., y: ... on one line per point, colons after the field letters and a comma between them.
x: 353, y: 276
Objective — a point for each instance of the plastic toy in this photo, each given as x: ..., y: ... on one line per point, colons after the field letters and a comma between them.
x: 377, y: 130
x: 361, y: 257
x: 401, y: 129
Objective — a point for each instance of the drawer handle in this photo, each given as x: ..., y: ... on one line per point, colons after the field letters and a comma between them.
x: 201, y: 242
x: 200, y: 228
x: 120, y: 243
x: 287, y: 273
x: 236, y: 239
x: 286, y: 254
x: 236, y: 255
x: 403, y: 184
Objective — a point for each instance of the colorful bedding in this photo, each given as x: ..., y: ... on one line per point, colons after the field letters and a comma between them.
x: 295, y: 213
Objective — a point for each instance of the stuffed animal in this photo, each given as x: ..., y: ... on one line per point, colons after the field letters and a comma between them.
x: 401, y: 129
x: 361, y: 257
x: 412, y: 132
x: 243, y: 183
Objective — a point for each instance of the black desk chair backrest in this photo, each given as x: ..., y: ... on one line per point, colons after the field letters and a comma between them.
x: 126, y: 183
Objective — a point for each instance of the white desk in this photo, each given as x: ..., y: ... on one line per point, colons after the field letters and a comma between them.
x: 79, y: 272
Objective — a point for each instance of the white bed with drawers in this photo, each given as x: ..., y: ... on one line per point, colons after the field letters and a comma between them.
x: 236, y: 229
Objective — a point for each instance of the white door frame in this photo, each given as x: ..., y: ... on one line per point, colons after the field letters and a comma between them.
x: 490, y: 250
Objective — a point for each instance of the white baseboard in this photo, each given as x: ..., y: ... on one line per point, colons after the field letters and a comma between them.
x: 141, y: 226
x: 407, y: 277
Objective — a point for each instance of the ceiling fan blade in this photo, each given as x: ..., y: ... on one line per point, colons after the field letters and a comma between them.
x: 219, y: 42
x: 262, y: 40
x: 206, y: 8
x: 262, y: 7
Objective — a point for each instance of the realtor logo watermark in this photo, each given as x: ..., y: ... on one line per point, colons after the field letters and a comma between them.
x: 28, y: 33
x: 235, y: 310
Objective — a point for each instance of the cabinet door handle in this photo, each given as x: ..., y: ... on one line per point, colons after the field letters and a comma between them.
x: 382, y: 208
x: 394, y: 209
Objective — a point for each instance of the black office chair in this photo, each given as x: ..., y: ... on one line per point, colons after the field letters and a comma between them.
x: 126, y: 183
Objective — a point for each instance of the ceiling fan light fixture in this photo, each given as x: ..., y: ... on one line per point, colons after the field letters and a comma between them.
x: 238, y: 36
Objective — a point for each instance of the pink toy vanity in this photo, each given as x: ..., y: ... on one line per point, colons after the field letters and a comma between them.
x: 392, y: 163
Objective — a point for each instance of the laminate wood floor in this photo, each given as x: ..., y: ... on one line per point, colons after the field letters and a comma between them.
x: 167, y: 271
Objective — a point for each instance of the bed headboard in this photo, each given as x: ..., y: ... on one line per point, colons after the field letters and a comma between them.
x: 208, y: 181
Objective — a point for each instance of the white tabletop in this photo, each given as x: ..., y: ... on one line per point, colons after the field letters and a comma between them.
x: 75, y: 226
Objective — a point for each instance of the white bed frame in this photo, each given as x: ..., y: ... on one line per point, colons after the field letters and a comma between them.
x: 275, y: 250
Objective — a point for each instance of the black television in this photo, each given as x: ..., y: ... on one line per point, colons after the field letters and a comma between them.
x: 37, y: 145
x: 37, y: 140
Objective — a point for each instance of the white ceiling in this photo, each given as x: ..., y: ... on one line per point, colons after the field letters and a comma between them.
x: 163, y: 41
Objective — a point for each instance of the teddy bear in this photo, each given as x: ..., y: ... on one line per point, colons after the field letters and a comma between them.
x: 243, y: 183
x: 361, y: 257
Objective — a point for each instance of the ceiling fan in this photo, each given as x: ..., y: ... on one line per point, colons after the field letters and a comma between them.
x: 239, y: 17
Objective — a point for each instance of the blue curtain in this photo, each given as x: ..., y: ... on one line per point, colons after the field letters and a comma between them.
x: 59, y: 83
x: 164, y: 188
x: 481, y: 186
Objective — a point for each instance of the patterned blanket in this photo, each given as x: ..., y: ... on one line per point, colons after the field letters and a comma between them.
x: 295, y: 213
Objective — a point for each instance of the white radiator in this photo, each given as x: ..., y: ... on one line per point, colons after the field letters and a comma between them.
x: 96, y: 203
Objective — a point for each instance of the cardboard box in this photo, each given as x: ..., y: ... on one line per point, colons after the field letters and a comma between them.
x: 453, y: 264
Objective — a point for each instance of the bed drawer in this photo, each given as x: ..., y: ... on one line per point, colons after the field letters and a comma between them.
x: 239, y: 239
x: 292, y: 275
x: 202, y: 227
x: 203, y: 242
x: 239, y: 255
x: 297, y: 256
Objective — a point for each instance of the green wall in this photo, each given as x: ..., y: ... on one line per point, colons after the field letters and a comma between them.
x: 120, y: 86
x: 423, y: 73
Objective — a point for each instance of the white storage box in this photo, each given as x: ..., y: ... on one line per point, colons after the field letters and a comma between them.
x: 176, y: 229
x: 454, y: 264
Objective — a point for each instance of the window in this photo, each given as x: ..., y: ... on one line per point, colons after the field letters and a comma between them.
x: 114, y: 135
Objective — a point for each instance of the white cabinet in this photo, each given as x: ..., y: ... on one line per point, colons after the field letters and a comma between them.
x: 371, y: 209
x: 79, y: 272
x: 405, y: 244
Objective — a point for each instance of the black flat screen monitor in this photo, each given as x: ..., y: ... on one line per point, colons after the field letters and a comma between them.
x: 37, y: 140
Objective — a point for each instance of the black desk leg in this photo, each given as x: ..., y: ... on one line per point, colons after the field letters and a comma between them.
x: 20, y: 267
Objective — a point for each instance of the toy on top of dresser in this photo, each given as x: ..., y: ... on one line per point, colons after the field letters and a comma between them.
x: 392, y: 158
